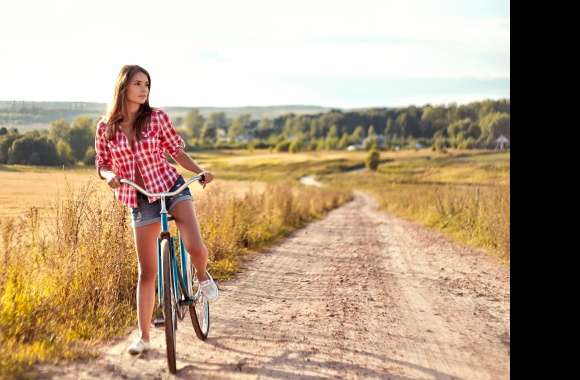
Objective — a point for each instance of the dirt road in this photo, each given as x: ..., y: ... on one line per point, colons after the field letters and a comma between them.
x: 359, y: 294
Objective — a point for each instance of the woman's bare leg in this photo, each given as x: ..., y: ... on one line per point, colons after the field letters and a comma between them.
x: 186, y: 221
x: 146, y: 243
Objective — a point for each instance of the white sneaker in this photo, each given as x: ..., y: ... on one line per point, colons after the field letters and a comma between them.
x: 138, y: 346
x: 209, y: 288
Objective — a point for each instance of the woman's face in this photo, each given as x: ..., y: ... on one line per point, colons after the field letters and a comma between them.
x: 138, y: 88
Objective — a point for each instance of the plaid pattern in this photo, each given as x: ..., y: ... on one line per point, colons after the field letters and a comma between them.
x: 158, y: 175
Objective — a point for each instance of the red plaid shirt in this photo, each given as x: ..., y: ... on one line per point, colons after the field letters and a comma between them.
x: 117, y: 155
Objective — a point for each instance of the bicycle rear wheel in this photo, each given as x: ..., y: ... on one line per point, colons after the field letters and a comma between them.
x: 169, y: 305
x: 199, y: 310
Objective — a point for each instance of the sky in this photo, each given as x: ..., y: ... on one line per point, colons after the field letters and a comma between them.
x: 347, y: 54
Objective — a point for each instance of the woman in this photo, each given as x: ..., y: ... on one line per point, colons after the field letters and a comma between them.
x: 130, y: 143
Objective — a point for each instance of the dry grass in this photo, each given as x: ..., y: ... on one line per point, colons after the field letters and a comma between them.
x: 465, y: 195
x: 69, y: 269
x: 68, y: 281
x: 23, y: 187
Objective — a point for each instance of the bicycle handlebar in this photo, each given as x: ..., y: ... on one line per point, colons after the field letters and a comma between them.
x: 179, y: 190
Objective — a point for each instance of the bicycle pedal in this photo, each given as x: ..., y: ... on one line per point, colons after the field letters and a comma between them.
x: 159, y: 322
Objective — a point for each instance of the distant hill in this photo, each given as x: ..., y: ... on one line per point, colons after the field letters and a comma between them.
x: 27, y: 115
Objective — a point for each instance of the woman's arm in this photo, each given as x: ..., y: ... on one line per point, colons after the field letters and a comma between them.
x: 187, y: 162
x: 174, y: 145
x: 103, y: 159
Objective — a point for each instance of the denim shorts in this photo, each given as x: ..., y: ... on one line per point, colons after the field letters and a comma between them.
x: 146, y: 213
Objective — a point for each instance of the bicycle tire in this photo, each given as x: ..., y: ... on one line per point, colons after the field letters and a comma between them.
x: 201, y: 305
x: 169, y: 306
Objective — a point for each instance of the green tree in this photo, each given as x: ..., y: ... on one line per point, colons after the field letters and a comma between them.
x: 495, y: 124
x: 320, y: 144
x: 343, y: 142
x: 90, y: 155
x: 215, y: 121
x: 390, y: 128
x: 208, y: 133
x: 80, y: 137
x: 296, y: 146
x: 314, y: 130
x: 30, y: 149
x: 65, y: 153
x: 474, y: 131
x: 5, y: 144
x: 439, y: 143
x: 238, y: 126
x: 408, y: 124
x: 371, y: 141
x: 58, y: 130
x: 193, y: 122
x: 236, y: 129
x: 332, y: 132
x: 264, y: 128
x: 331, y: 138
x: 357, y: 134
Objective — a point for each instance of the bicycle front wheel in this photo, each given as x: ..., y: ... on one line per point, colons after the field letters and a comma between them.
x: 169, y: 305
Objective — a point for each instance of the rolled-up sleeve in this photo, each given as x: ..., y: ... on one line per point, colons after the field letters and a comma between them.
x: 103, y: 155
x: 171, y: 142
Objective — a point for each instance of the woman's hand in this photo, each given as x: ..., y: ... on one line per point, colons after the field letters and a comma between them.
x: 208, y: 177
x: 114, y: 182
x: 112, y: 179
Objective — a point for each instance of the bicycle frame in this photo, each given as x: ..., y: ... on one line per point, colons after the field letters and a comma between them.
x: 179, y: 279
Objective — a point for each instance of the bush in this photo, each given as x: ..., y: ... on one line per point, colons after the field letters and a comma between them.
x: 373, y: 159
x: 283, y: 146
x: 224, y: 145
x: 261, y: 145
x: 296, y: 146
x: 440, y: 144
x: 468, y: 143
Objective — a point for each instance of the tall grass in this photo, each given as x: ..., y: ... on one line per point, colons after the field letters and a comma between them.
x: 234, y: 225
x: 466, y: 197
x: 69, y: 282
x: 477, y: 215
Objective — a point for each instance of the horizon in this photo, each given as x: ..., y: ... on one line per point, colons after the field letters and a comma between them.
x: 273, y: 105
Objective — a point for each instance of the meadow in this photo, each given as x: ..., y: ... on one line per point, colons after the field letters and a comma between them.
x: 67, y: 280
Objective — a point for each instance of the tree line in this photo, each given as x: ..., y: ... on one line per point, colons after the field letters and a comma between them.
x: 473, y: 125
x: 61, y: 144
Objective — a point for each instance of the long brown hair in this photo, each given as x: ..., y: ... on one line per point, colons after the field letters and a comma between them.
x: 118, y: 106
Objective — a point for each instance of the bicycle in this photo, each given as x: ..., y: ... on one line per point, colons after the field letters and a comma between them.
x: 177, y: 289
